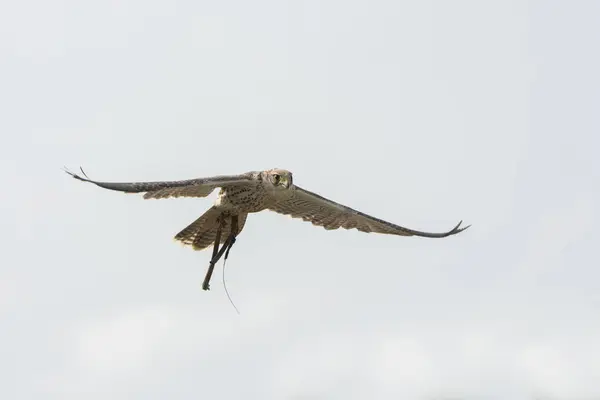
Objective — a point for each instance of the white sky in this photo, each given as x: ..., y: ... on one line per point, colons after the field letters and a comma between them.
x: 422, y: 113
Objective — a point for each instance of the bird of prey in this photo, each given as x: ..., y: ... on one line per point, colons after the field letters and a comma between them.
x: 253, y: 192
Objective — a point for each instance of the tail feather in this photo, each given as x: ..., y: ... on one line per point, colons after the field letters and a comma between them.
x: 202, y: 233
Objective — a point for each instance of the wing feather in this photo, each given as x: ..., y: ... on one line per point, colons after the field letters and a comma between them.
x: 199, y: 187
x: 321, y: 211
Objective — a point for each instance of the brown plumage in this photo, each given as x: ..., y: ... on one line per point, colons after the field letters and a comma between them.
x: 253, y: 192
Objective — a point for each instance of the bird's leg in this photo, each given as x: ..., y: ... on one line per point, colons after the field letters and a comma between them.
x: 215, y: 256
x: 229, y: 241
x: 225, y: 248
x: 218, y: 253
x: 232, y: 235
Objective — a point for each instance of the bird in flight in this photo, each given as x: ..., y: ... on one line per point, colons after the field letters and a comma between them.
x: 253, y: 192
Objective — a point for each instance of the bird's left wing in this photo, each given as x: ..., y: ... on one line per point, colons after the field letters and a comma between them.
x: 200, y: 187
x: 331, y: 215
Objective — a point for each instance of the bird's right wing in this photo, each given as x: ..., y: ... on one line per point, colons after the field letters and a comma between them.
x: 327, y: 213
x: 200, y: 187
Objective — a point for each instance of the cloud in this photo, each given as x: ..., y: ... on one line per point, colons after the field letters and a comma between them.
x: 9, y: 293
x: 129, y: 340
x: 562, y: 368
x: 401, y: 362
x: 469, y: 362
x: 131, y: 343
x: 318, y: 366
x: 557, y: 228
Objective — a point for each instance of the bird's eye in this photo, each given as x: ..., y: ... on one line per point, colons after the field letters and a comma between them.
x: 276, y: 178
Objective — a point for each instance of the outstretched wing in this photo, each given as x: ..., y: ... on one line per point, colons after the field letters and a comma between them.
x: 331, y: 215
x: 200, y: 187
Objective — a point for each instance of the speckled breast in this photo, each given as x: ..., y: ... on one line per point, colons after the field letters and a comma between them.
x: 246, y: 199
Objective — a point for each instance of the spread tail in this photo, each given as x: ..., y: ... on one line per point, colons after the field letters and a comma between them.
x: 202, y: 232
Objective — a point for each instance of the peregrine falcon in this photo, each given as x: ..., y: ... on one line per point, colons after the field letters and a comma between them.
x: 252, y: 192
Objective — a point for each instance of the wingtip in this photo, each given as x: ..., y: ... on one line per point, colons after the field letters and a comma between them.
x: 69, y: 172
x: 78, y: 177
x: 457, y: 230
x: 83, y: 172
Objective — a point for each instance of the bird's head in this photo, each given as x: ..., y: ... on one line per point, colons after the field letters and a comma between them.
x: 278, y: 179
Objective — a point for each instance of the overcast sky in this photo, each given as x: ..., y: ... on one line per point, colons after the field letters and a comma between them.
x: 419, y: 112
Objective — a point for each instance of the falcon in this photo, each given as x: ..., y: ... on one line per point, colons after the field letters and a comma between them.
x: 252, y: 192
